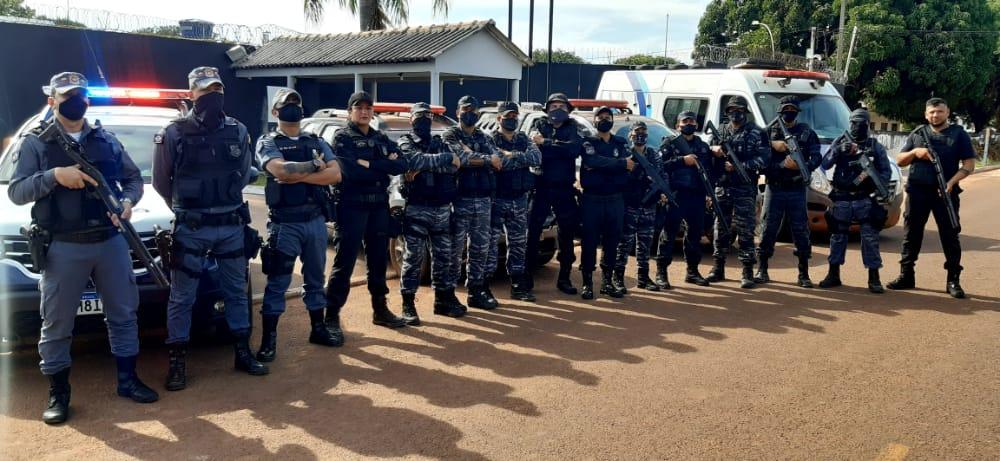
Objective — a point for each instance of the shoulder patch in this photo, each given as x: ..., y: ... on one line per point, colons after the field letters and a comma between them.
x: 158, y: 138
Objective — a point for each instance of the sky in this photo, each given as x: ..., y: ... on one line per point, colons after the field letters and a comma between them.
x: 597, y: 30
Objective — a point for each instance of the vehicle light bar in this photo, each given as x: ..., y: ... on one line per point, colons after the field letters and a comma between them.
x: 103, y: 92
x: 383, y: 107
x: 798, y: 74
x: 595, y: 103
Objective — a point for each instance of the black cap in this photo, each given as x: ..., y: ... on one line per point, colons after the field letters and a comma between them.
x: 638, y: 124
x: 558, y: 97
x: 737, y: 102
x: 420, y: 108
x: 506, y: 107
x: 359, y: 97
x: 603, y: 109
x: 787, y: 101
x: 860, y: 115
x: 686, y: 115
x: 468, y: 100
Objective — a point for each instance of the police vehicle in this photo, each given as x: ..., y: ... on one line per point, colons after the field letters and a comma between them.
x: 134, y: 115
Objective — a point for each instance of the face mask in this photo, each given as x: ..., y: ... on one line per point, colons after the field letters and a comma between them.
x: 558, y: 115
x: 422, y: 126
x: 789, y: 116
x: 290, y: 113
x: 859, y: 131
x: 604, y: 126
x: 73, y: 108
x: 738, y: 117
x: 641, y: 138
x: 469, y: 118
x: 208, y: 109
x: 509, y: 124
x: 688, y: 129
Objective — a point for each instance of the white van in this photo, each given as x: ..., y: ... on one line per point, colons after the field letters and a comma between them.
x: 662, y: 94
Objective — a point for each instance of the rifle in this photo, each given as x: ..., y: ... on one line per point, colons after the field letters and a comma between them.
x: 793, y: 149
x: 727, y: 147
x: 660, y: 186
x: 103, y: 191
x: 705, y: 181
x: 942, y: 182
x: 882, y: 193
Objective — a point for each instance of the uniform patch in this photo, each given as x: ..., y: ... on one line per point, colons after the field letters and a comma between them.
x: 158, y: 138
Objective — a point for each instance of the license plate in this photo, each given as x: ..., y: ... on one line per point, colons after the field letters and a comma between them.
x: 90, y: 304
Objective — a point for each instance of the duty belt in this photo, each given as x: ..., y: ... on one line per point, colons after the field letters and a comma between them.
x: 88, y: 236
x: 194, y: 219
x: 366, y: 198
x: 280, y: 216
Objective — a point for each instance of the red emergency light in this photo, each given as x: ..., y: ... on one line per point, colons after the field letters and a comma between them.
x: 797, y: 74
x: 595, y: 103
x: 385, y: 107
x: 103, y: 92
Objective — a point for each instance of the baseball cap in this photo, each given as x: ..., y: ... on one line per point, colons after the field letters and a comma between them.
x: 638, y: 124
x: 65, y: 81
x: 420, y: 108
x: 468, y: 100
x: 359, y: 97
x: 788, y: 101
x: 686, y: 115
x: 203, y: 77
x: 506, y: 107
x: 282, y: 95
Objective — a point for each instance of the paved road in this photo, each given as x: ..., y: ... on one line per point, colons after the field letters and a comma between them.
x: 779, y: 372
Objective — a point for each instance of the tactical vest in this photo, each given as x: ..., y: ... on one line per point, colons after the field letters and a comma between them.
x: 304, y: 149
x: 73, y: 210
x: 371, y: 186
x: 208, y: 167
x: 476, y: 182
x: 639, y: 183
x: 605, y: 182
x: 431, y: 188
x: 784, y: 177
x: 513, y: 183
x: 847, y: 170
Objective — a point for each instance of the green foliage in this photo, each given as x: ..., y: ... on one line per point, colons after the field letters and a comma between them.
x: 164, y: 31
x: 16, y: 8
x: 558, y: 57
x: 645, y: 59
x: 731, y: 22
x: 372, y: 14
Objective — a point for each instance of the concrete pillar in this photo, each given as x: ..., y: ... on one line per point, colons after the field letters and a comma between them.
x: 359, y: 83
x: 435, y: 88
x: 290, y: 81
x: 375, y: 91
x: 515, y: 90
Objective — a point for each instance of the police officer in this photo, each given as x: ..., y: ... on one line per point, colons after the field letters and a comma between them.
x: 367, y: 158
x: 738, y: 198
x: 785, y: 195
x: 691, y: 197
x: 640, y: 212
x: 300, y: 167
x: 84, y: 241
x: 201, y: 164
x: 558, y: 138
x: 953, y: 146
x: 604, y: 174
x: 510, y: 206
x: 853, y: 201
x: 476, y: 184
x: 430, y: 188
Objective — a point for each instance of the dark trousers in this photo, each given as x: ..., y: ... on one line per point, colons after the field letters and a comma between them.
x: 358, y: 223
x: 788, y: 204
x: 691, y: 209
x: 561, y: 201
x: 602, y: 217
x: 921, y: 202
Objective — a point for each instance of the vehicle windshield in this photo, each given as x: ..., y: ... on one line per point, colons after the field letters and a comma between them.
x: 827, y: 115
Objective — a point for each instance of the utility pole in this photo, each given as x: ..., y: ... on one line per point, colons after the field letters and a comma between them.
x: 510, y: 19
x: 811, y: 55
x: 666, y: 39
x: 840, y: 35
x: 531, y: 46
x: 548, y: 64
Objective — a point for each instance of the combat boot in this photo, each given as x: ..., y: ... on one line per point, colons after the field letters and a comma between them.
x: 608, y: 286
x: 269, y: 337
x: 177, y: 373
x: 243, y: 359
x: 479, y: 298
x: 762, y: 275
x: 643, y: 281
x: 59, y: 391
x: 907, y: 280
x: 489, y: 294
x: 129, y: 384
x: 410, y: 309
x: 332, y: 322
x: 443, y: 304
x: 804, y: 281
x: 874, y: 282
x: 694, y: 276
x: 588, y: 286
x: 832, y: 278
x: 662, y: 282
x: 319, y: 333
x: 953, y: 287
x: 382, y: 316
x: 746, y: 282
x: 564, y: 284
x: 618, y: 281
x: 718, y: 272
x: 519, y: 288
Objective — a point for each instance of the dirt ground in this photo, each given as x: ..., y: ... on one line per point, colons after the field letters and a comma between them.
x: 778, y: 372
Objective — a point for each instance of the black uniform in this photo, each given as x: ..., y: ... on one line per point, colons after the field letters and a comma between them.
x: 691, y: 194
x: 604, y: 178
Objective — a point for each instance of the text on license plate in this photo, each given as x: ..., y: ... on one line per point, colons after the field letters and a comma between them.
x: 90, y: 304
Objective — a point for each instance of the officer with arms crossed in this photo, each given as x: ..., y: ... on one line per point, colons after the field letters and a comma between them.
x: 430, y: 188
x: 83, y: 237
x: 367, y: 158
x: 201, y: 164
x: 476, y: 184
x: 300, y: 167
x: 510, y: 206
x: 852, y: 198
x: 923, y: 196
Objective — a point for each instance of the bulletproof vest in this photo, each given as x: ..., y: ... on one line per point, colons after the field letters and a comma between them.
x: 603, y: 181
x: 745, y: 143
x: 847, y: 170
x: 73, y: 210
x: 476, y: 182
x: 208, y: 167
x: 372, y: 185
x: 513, y: 183
x: 687, y: 177
x: 785, y: 176
x: 639, y: 183
x: 922, y: 172
x: 304, y: 149
x: 558, y: 168
x: 431, y: 188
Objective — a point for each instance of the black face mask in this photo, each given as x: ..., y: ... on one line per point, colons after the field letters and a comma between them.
x: 738, y: 117
x: 422, y: 126
x: 509, y: 124
x: 688, y: 129
x: 604, y: 126
x: 640, y: 139
x: 558, y: 115
x: 789, y: 116
x: 73, y: 108
x: 469, y: 118
x: 859, y: 131
x: 290, y: 113
x: 208, y: 109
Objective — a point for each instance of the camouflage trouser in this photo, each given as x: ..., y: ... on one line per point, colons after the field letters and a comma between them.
x: 471, y: 223
x: 509, y: 216
x: 420, y: 225
x: 845, y: 212
x: 739, y: 204
x: 637, y: 232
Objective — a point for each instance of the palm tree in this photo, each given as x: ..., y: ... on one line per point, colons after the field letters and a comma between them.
x: 372, y: 14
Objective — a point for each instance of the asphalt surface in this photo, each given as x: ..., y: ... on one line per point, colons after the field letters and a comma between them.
x: 696, y: 373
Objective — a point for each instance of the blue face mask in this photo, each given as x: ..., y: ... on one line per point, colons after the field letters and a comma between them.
x: 290, y: 113
x: 469, y: 118
x: 73, y: 108
x: 509, y: 124
x: 688, y: 129
x: 558, y: 115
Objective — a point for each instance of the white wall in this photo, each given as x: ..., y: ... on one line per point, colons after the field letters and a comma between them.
x: 481, y: 56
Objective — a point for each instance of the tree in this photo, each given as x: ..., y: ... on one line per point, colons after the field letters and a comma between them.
x: 731, y: 22
x: 645, y: 59
x: 558, y: 57
x: 163, y: 31
x: 16, y: 9
x: 372, y: 14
